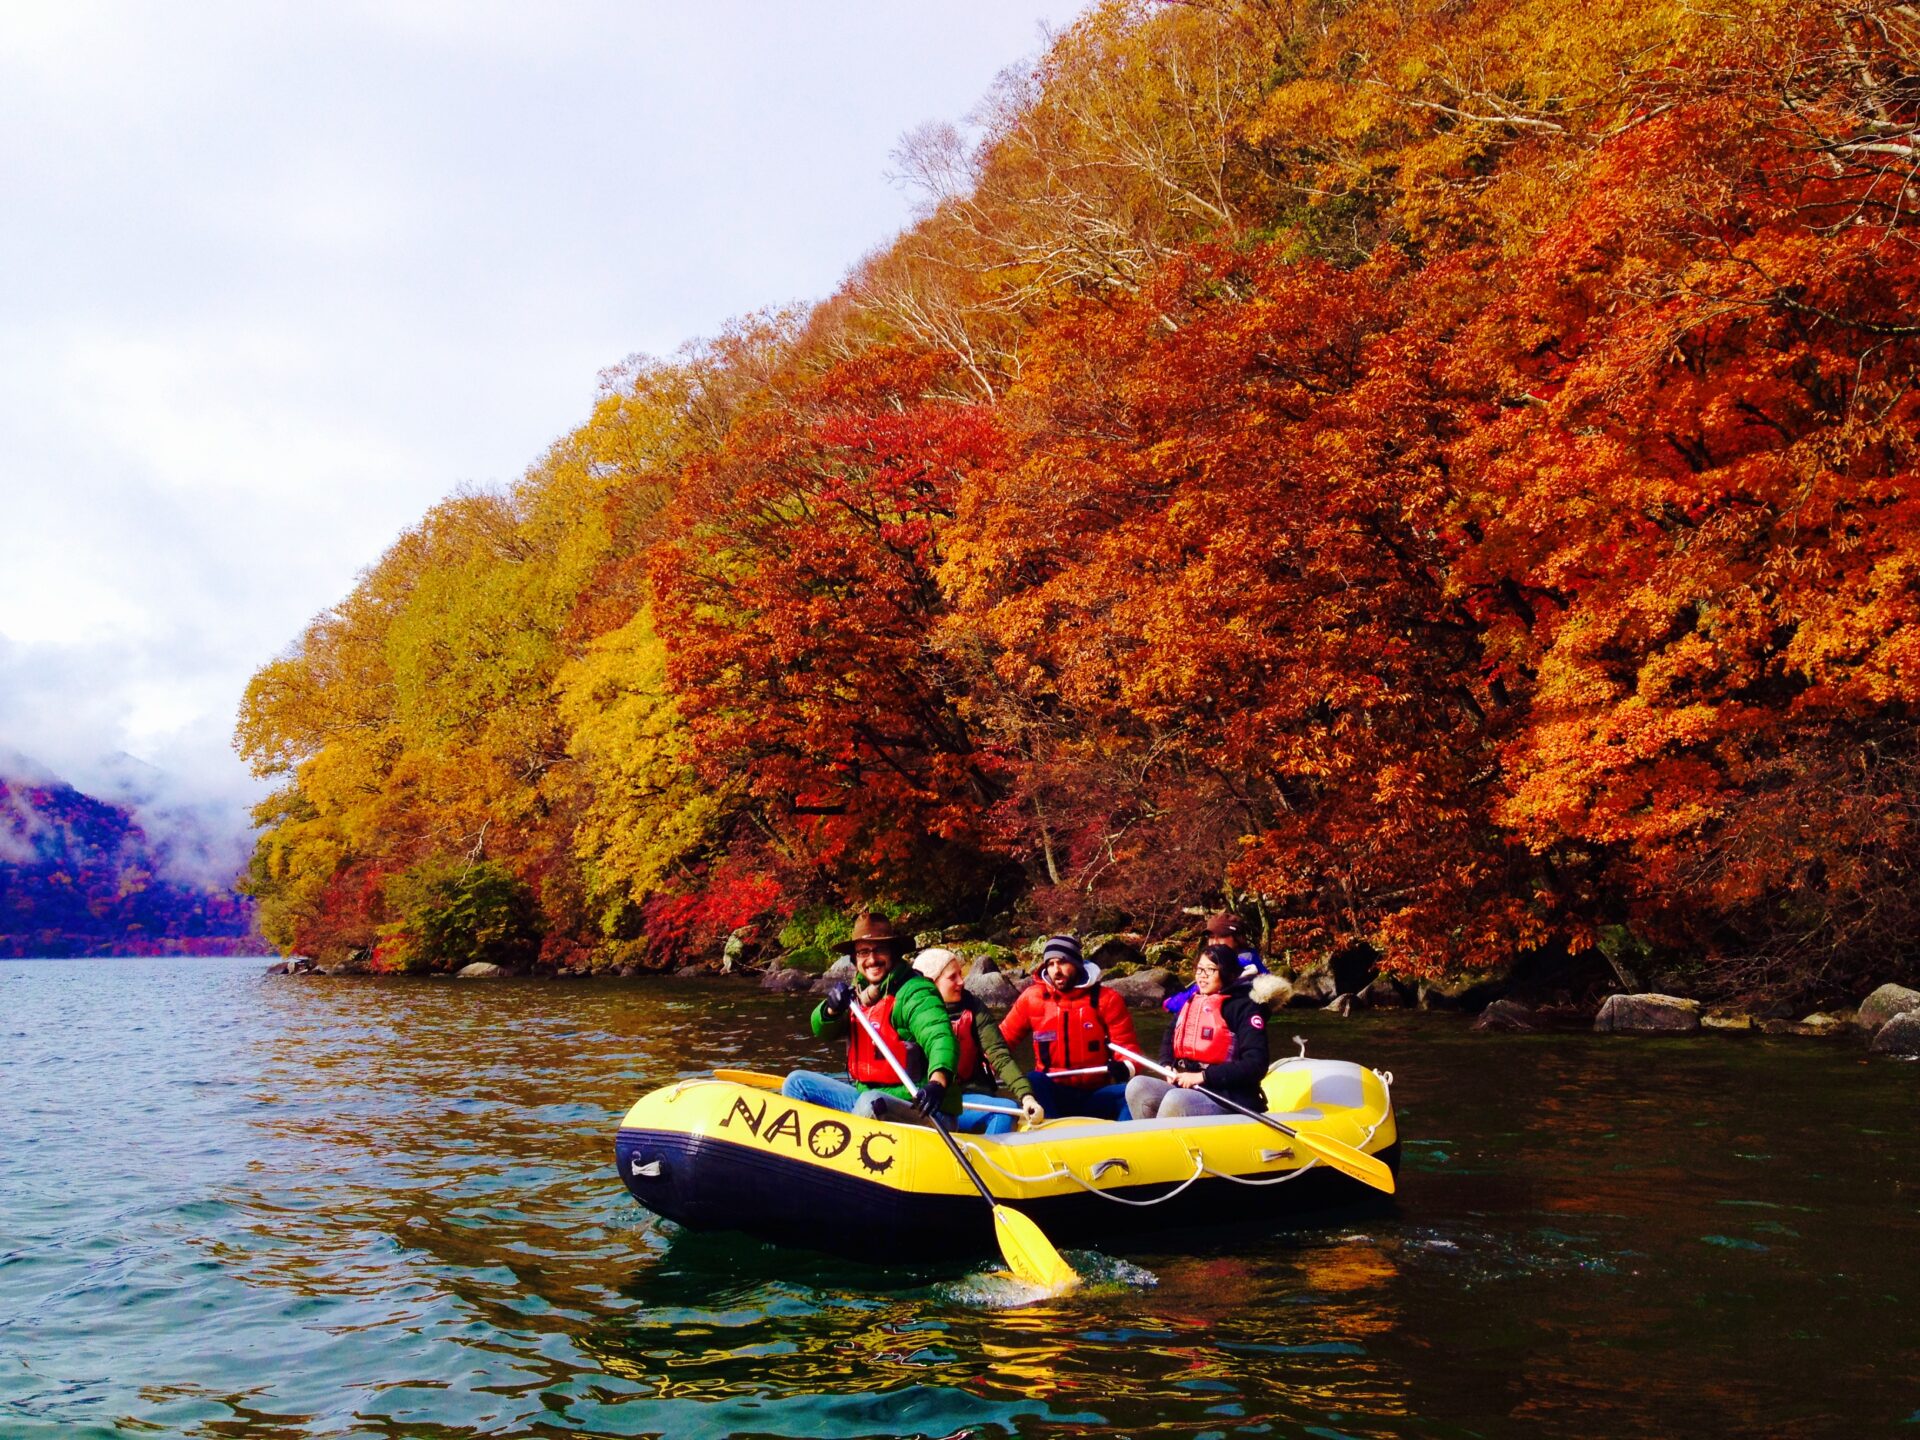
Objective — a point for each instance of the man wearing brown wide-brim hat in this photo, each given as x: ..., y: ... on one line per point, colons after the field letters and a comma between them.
x: 874, y: 929
x: 904, y: 1007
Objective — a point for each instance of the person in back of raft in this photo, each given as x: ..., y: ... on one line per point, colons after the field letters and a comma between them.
x: 903, y: 1006
x: 1223, y: 928
x: 1073, y: 1018
x: 1219, y: 1040
x: 984, y: 1058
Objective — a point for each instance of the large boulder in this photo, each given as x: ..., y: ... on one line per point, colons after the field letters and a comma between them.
x: 992, y: 989
x: 1507, y: 1016
x: 1459, y: 992
x: 1883, y: 1004
x: 1112, y: 952
x: 1341, y: 1005
x: 1170, y: 953
x: 1143, y: 988
x: 1314, y: 988
x: 479, y: 970
x: 1899, y: 1036
x: 985, y: 959
x: 1648, y: 1015
x: 1383, y: 994
x: 785, y: 979
x: 841, y: 969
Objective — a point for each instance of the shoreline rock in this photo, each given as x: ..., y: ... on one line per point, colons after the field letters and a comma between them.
x: 1648, y: 1014
x: 1885, y: 1004
x: 1144, y: 988
x: 1899, y: 1036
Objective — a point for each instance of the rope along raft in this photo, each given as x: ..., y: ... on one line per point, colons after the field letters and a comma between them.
x: 713, y: 1154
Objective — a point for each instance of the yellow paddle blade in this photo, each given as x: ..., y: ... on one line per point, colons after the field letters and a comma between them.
x: 756, y: 1078
x: 1029, y: 1254
x: 1349, y: 1161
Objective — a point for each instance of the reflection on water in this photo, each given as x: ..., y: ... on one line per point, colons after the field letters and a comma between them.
x: 237, y: 1207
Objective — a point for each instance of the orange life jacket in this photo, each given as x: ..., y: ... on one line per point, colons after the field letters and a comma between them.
x: 1069, y: 1034
x: 866, y: 1064
x: 1201, y: 1034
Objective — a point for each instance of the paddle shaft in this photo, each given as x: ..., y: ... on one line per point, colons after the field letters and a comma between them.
x: 1217, y: 1099
x: 937, y: 1121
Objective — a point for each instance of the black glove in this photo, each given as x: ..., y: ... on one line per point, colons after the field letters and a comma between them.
x: 930, y: 1096
x: 839, y: 999
x: 1117, y: 1073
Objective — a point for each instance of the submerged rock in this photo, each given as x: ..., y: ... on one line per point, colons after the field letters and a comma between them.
x: 1899, y: 1036
x: 1508, y: 1016
x: 1823, y: 1023
x: 1883, y: 1004
x: 1648, y: 1015
x: 1716, y: 1020
x: 785, y: 979
x: 479, y: 970
x: 1145, y: 987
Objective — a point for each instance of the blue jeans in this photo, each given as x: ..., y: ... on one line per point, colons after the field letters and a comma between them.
x: 832, y: 1093
x: 984, y: 1122
x: 1109, y: 1102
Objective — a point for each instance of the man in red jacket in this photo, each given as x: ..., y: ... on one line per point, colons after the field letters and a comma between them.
x: 1073, y: 1020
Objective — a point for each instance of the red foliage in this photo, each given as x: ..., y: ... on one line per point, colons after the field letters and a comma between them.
x: 797, y: 593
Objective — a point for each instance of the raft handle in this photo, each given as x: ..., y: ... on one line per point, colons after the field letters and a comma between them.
x: 648, y: 1171
x: 1099, y: 1171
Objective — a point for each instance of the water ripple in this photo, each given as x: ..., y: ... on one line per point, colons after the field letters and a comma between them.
x: 232, y: 1207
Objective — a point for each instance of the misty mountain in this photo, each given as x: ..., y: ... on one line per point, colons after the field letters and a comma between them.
x: 81, y: 875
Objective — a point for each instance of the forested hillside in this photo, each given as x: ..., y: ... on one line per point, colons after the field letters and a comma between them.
x: 1440, y: 478
x: 78, y: 876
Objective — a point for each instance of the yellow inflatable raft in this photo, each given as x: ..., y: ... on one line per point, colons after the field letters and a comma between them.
x: 717, y: 1155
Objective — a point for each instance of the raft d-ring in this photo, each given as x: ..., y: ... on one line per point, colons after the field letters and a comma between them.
x: 1285, y: 1152
x: 1301, y: 1041
x: 1099, y: 1171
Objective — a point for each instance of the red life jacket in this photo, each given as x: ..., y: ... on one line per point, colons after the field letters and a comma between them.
x: 972, y: 1063
x: 1201, y: 1033
x: 866, y: 1064
x: 1069, y: 1034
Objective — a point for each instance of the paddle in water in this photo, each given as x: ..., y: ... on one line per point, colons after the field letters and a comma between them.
x: 1029, y: 1254
x: 1337, y: 1153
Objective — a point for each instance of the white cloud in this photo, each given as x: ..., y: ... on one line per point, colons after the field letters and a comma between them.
x: 274, y: 277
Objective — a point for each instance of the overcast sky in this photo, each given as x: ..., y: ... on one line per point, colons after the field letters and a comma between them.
x: 276, y: 277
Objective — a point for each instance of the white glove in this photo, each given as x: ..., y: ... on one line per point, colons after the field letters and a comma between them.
x: 1030, y: 1110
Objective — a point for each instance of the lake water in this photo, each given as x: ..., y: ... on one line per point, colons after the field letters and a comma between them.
x: 233, y: 1206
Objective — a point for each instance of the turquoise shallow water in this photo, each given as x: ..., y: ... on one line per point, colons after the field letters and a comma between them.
x: 233, y: 1206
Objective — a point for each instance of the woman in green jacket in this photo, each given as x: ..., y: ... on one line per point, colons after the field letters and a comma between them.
x: 982, y: 1058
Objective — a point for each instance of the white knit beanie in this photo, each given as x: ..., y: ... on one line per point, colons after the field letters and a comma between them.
x: 931, y: 962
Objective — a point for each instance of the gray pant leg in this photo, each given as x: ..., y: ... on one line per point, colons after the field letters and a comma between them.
x: 1190, y: 1102
x: 1144, y: 1094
